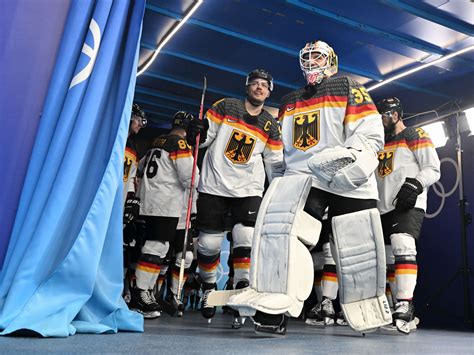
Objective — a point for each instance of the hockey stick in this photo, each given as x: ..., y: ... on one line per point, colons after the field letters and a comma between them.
x: 190, y: 199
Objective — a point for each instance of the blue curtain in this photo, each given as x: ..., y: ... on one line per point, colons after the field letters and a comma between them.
x: 62, y: 272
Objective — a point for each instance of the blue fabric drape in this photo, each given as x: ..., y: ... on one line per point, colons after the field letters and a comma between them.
x: 63, y: 268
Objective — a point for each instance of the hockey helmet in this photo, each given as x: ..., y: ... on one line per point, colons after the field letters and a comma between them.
x: 137, y: 112
x: 259, y: 74
x: 309, y: 55
x: 389, y: 105
x: 181, y: 119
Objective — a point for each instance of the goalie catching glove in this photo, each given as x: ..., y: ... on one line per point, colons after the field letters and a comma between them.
x: 406, y: 197
x: 132, y: 209
x: 345, y: 168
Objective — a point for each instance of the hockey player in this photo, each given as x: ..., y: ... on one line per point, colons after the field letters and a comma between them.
x: 131, y: 201
x: 408, y: 165
x: 331, y: 134
x: 242, y: 137
x: 166, y: 175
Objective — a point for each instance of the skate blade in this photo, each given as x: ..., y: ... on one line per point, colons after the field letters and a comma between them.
x: 402, y: 328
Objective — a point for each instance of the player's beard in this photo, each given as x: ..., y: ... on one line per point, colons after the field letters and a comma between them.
x: 255, y: 102
x: 389, y: 129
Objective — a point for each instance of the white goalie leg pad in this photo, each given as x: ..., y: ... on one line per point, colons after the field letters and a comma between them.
x: 359, y: 252
x: 345, y: 168
x: 281, y: 271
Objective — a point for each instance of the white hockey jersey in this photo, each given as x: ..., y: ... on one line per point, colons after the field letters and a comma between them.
x: 324, y: 117
x: 130, y: 164
x: 238, y: 146
x: 166, y: 175
x: 408, y: 154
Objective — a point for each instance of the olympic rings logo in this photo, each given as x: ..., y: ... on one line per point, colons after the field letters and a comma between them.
x: 440, y: 191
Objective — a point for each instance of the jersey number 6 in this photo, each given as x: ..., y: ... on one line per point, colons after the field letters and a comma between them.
x: 152, y: 165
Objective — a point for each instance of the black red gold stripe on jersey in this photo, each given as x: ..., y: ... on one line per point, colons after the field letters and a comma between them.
x: 260, y: 133
x: 312, y: 104
x: 355, y: 113
x: 131, y: 153
x: 181, y: 153
x: 412, y: 145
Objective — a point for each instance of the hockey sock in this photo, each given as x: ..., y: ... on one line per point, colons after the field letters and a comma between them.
x: 318, y: 289
x: 161, y: 278
x: 208, y: 267
x: 148, y: 269
x: 406, y: 270
x: 329, y: 282
x: 241, y: 264
x: 175, y: 278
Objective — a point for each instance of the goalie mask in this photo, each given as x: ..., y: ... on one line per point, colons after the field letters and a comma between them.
x: 181, y: 119
x: 317, y: 61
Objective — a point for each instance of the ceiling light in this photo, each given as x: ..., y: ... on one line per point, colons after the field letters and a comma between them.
x: 421, y: 67
x: 470, y: 119
x: 437, y: 132
x: 168, y: 37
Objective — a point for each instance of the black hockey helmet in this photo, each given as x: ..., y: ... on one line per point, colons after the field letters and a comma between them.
x: 138, y: 112
x: 262, y: 74
x: 181, y: 119
x: 389, y: 105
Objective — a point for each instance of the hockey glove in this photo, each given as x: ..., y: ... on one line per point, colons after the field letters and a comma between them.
x: 132, y: 209
x: 196, y: 127
x: 406, y: 197
x: 193, y: 230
